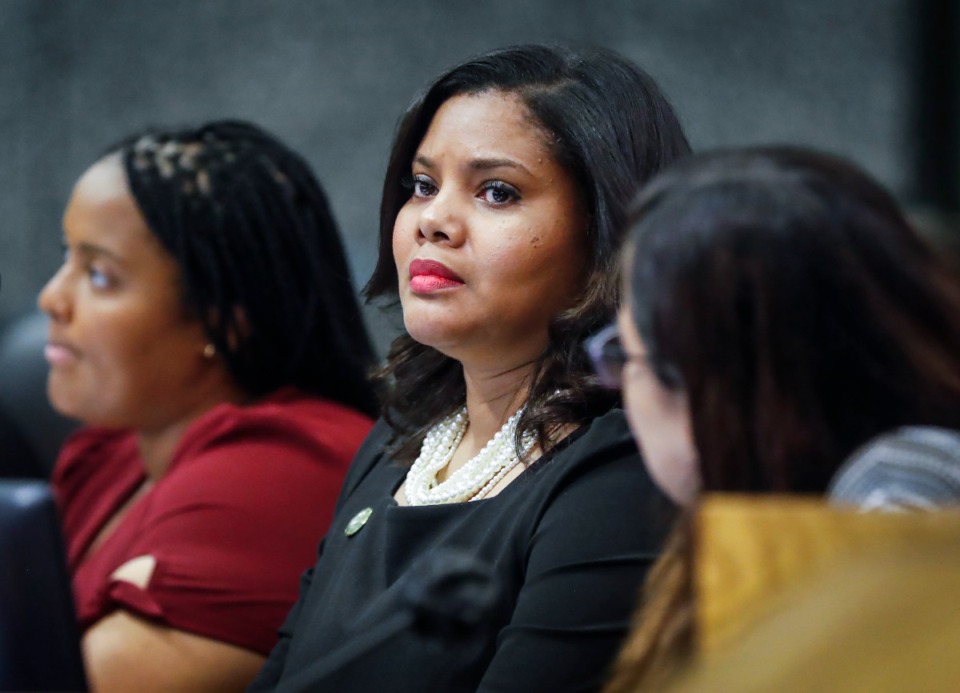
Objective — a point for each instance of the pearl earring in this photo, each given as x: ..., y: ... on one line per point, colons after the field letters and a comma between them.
x: 209, y: 351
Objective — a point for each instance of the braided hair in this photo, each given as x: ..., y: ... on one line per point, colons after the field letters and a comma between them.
x: 261, y: 260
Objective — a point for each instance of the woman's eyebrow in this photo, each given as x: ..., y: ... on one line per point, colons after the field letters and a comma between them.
x: 484, y: 164
x: 92, y: 249
x: 480, y: 164
x: 424, y: 161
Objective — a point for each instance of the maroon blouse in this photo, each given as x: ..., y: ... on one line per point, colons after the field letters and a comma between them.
x: 237, y: 517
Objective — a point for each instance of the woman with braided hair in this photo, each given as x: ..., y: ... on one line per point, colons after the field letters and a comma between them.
x: 204, y: 328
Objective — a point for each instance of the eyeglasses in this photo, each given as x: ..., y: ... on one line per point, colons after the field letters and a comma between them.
x: 607, y: 356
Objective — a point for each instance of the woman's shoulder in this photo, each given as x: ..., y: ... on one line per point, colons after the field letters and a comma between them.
x: 291, y: 407
x: 604, y: 442
x: 287, y: 447
x: 93, y: 450
x: 599, y: 467
x: 288, y: 421
x: 370, y: 454
x: 607, y: 431
x: 591, y: 500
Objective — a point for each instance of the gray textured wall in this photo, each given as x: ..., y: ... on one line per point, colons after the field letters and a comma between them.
x: 331, y: 78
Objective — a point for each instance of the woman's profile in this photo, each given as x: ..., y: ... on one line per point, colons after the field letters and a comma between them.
x: 204, y: 329
x: 779, y: 314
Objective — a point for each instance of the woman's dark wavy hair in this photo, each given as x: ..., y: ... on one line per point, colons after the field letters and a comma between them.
x: 786, y: 294
x: 260, y: 256
x: 610, y: 127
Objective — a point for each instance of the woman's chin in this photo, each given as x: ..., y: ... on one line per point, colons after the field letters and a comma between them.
x: 59, y: 401
x: 78, y: 409
x: 437, y: 334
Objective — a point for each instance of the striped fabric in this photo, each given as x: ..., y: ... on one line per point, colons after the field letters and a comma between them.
x: 909, y: 468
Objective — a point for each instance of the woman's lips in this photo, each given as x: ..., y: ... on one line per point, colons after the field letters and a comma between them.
x: 427, y: 276
x: 59, y: 354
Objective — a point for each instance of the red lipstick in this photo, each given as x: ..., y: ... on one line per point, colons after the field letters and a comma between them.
x: 427, y: 276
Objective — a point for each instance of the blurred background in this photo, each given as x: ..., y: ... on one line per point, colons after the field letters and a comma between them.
x: 874, y: 80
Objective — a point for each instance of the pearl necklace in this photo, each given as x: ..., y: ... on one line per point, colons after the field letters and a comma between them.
x: 477, y: 476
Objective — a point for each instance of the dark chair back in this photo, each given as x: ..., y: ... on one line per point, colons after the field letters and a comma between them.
x: 39, y: 634
x: 31, y: 432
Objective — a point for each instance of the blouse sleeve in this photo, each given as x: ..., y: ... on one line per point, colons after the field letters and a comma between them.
x: 231, y: 531
x: 589, y: 555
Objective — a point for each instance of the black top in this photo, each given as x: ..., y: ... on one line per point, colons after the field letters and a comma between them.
x: 567, y: 542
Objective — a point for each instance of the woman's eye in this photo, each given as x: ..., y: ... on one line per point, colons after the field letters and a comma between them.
x: 423, y: 187
x: 98, y: 278
x: 499, y: 193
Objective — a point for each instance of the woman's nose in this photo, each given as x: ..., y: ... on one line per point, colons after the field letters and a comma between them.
x: 443, y: 220
x: 54, y: 299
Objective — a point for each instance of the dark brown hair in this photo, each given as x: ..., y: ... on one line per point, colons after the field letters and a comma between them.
x: 786, y: 294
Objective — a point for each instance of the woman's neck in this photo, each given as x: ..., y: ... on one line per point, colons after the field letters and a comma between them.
x: 492, y: 397
x: 156, y: 447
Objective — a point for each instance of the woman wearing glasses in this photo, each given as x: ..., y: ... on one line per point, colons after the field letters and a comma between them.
x: 502, y: 210
x: 779, y: 314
